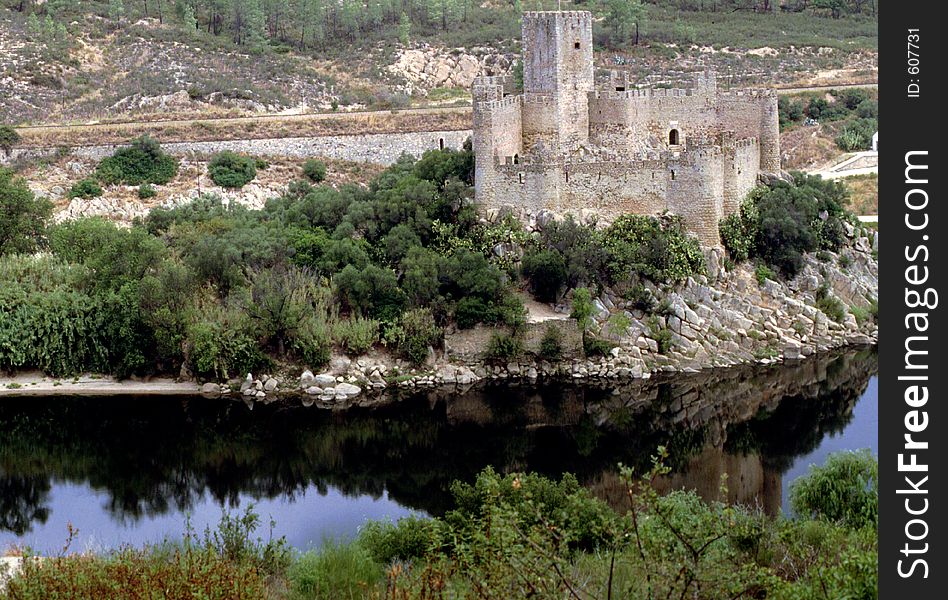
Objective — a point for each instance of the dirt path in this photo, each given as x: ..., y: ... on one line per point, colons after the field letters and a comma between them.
x: 37, y: 384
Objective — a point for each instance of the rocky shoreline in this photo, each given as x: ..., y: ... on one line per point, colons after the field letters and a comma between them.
x: 723, y: 319
x: 730, y: 316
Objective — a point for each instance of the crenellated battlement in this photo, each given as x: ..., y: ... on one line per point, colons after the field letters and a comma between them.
x: 564, y: 144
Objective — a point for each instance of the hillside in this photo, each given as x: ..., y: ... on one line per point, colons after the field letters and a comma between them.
x: 67, y: 61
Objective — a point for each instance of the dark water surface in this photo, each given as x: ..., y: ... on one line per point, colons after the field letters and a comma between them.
x: 128, y: 470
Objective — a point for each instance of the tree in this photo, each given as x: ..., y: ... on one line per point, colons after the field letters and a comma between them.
x: 8, y: 139
x: 546, y: 270
x: 116, y: 12
x: 22, y: 216
x: 623, y: 15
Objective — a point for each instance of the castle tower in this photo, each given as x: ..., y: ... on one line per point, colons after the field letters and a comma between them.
x: 557, y: 77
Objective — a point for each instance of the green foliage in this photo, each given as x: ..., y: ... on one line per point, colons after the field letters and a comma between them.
x: 85, y: 188
x: 762, y: 273
x: 8, y: 139
x: 739, y: 231
x: 146, y: 191
x: 336, y: 570
x: 582, y: 307
x: 414, y: 333
x: 844, y: 490
x: 231, y: 170
x: 546, y: 271
x: 314, y: 170
x: 356, y: 335
x: 142, y: 161
x: 594, y: 346
x: 372, y: 291
x: 642, y: 299
x: 830, y: 304
x: 22, y: 216
x: 503, y: 347
x: 551, y: 344
x: 857, y: 134
x: 221, y: 342
x: 582, y: 249
x: 408, y: 539
x: 659, y: 249
x: 313, y: 341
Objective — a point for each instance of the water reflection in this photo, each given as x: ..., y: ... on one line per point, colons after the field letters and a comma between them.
x: 150, y: 457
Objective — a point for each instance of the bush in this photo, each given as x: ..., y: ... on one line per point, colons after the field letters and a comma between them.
x: 470, y: 311
x: 594, y: 346
x: 414, y: 333
x: 314, y: 170
x: 8, y: 139
x: 356, y: 335
x: 231, y: 170
x: 372, y: 291
x: 503, y: 347
x: 221, y: 343
x: 659, y: 249
x: 408, y: 539
x: 23, y: 224
x: 739, y: 231
x: 642, y: 298
x: 844, y: 490
x: 142, y: 162
x: 85, y: 188
x: 313, y: 341
x: 546, y: 270
x: 336, y: 570
x: 762, y: 273
x: 830, y: 304
x: 146, y: 191
x: 551, y: 344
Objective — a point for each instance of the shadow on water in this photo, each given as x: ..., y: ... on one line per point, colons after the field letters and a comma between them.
x: 155, y: 456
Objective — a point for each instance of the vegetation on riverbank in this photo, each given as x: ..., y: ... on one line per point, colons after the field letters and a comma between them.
x: 523, y: 535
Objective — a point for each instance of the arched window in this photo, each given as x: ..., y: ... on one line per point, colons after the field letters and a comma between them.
x: 516, y: 159
x: 673, y: 137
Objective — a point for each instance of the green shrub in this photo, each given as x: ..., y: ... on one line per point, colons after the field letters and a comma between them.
x: 546, y: 271
x: 862, y: 315
x: 414, y: 333
x: 313, y: 341
x: 221, y: 343
x: 660, y: 249
x: 141, y: 162
x: 551, y: 344
x: 85, y: 188
x: 371, y: 291
x: 23, y: 225
x: 314, y: 170
x: 146, y: 191
x: 231, y: 170
x: 641, y: 298
x: 470, y: 311
x: 356, y: 335
x: 8, y: 139
x: 503, y: 347
x: 844, y: 490
x: 336, y: 570
x: 762, y: 273
x: 845, y: 261
x: 408, y: 539
x: 830, y: 304
x: 739, y: 231
x: 594, y: 346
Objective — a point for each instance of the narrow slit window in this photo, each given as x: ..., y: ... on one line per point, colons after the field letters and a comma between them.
x: 440, y: 143
x: 673, y: 174
x: 521, y: 177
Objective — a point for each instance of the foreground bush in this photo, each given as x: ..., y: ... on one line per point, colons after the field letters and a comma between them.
x: 520, y: 535
x: 844, y: 490
x: 659, y: 249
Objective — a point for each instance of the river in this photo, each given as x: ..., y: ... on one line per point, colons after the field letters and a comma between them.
x: 128, y: 470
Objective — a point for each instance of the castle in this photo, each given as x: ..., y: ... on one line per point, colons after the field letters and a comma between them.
x: 565, y: 145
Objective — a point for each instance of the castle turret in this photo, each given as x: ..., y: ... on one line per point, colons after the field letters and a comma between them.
x: 558, y: 76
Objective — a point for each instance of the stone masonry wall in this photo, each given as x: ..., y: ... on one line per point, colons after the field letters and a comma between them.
x: 379, y: 148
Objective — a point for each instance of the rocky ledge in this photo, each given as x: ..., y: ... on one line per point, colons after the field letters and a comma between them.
x: 725, y: 318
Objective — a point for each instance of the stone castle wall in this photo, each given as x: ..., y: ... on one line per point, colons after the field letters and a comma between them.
x: 378, y: 148
x: 616, y: 150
